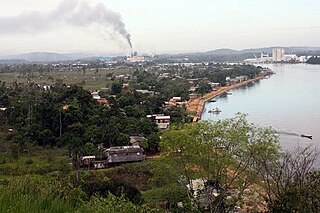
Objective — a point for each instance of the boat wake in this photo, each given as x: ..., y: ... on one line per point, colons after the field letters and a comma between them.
x: 285, y: 132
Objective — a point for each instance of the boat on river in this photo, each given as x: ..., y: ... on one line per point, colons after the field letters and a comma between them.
x: 215, y: 110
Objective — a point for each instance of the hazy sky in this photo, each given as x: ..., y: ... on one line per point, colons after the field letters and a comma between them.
x: 157, y: 25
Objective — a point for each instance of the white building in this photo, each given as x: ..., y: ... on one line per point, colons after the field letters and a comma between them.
x: 95, y: 95
x: 163, y: 122
x: 147, y: 92
x: 277, y: 54
x: 290, y: 57
x: 137, y: 58
x: 303, y: 59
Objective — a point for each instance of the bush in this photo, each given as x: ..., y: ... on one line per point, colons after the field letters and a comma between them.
x: 117, y: 188
x: 29, y: 162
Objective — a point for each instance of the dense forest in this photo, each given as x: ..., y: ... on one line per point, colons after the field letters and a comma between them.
x: 69, y: 117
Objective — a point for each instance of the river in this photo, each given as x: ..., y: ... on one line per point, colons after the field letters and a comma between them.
x: 289, y: 101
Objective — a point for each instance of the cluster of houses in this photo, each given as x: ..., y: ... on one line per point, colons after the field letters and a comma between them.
x: 238, y: 79
x: 175, y: 101
x: 162, y: 121
x: 125, y: 154
x: 195, y: 82
x: 96, y: 96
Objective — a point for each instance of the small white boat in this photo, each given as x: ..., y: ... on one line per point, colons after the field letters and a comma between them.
x: 216, y: 110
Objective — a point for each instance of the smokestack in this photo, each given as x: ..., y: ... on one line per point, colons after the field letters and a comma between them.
x: 70, y: 12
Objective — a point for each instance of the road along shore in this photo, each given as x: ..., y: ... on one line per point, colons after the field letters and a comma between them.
x: 197, y: 105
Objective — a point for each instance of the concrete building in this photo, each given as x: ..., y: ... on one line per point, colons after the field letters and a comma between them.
x: 162, y: 121
x: 146, y: 92
x: 137, y: 58
x: 123, y: 154
x: 277, y: 54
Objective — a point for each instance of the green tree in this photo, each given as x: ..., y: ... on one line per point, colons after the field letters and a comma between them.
x: 203, y: 88
x: 134, y: 111
x: 116, y: 88
x: 153, y: 142
x: 89, y: 149
x: 123, y: 139
x: 226, y: 155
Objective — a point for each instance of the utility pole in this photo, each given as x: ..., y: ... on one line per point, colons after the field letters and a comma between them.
x: 60, y: 127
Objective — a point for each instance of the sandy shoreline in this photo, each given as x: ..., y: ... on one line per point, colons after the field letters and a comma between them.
x: 197, y: 105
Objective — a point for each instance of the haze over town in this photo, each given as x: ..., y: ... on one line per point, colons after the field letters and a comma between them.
x: 157, y: 26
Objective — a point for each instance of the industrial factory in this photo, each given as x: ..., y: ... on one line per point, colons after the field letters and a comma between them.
x: 134, y: 57
x: 278, y: 56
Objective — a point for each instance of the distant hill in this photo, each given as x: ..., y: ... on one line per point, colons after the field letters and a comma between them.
x: 293, y: 49
x: 49, y: 57
x: 13, y: 61
x: 230, y: 55
x: 222, y: 52
x: 219, y: 55
x: 45, y: 57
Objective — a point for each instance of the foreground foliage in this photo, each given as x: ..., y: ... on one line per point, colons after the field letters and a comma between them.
x: 292, y: 183
x: 206, y: 167
x: 226, y: 156
x: 39, y: 195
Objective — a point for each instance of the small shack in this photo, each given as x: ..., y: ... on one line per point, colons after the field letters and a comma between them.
x: 135, y: 140
x: 123, y: 154
x: 87, y: 161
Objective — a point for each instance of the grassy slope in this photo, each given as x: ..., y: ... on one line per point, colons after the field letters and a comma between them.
x: 25, y: 182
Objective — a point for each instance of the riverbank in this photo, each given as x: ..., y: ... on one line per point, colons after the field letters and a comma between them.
x: 196, y: 106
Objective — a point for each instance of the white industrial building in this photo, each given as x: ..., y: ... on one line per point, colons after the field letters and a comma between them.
x: 278, y: 54
x: 133, y: 59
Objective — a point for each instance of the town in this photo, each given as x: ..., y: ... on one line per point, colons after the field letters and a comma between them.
x: 105, y: 115
x: 159, y: 106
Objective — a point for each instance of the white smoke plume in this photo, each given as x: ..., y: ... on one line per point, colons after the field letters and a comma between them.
x: 69, y: 12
